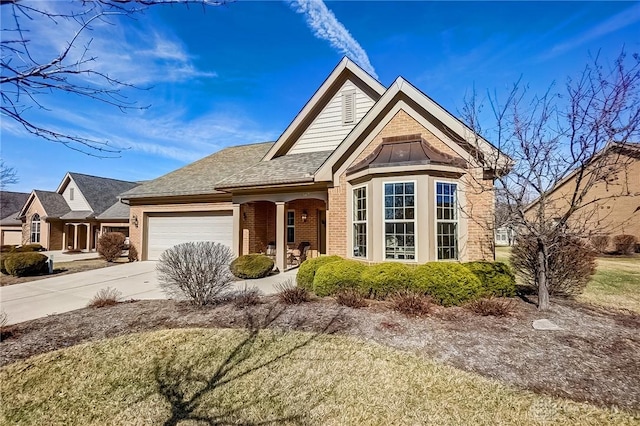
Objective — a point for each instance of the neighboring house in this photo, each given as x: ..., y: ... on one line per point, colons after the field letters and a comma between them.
x: 612, y: 204
x: 363, y: 171
x: 75, y: 214
x: 505, y: 236
x: 10, y: 225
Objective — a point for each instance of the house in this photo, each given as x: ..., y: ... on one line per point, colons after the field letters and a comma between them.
x: 611, y: 206
x: 76, y: 213
x: 10, y: 225
x: 363, y: 171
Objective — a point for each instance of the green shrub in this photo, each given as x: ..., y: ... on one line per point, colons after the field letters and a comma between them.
x: 496, y: 278
x: 307, y: 270
x: 384, y: 279
x: 450, y: 284
x: 26, y: 264
x: 27, y: 248
x: 335, y: 276
x: 3, y: 258
x: 7, y: 248
x: 251, y: 266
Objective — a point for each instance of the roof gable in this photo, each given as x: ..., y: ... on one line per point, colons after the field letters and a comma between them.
x: 345, y: 72
x: 100, y: 193
x: 53, y: 203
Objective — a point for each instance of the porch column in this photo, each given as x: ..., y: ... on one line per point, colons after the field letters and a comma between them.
x: 64, y: 236
x: 236, y: 230
x: 88, y: 225
x: 75, y: 236
x: 281, y: 245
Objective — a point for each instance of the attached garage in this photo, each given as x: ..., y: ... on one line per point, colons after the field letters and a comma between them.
x: 11, y: 237
x: 165, y: 231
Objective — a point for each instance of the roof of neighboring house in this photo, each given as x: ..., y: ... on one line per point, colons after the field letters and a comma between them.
x: 118, y: 210
x: 202, y: 176
x: 100, y: 192
x: 404, y: 150
x: 292, y: 168
x: 52, y: 203
x: 78, y: 215
x: 10, y: 205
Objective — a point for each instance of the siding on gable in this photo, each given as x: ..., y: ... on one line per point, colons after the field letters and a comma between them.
x: 78, y: 203
x: 327, y: 131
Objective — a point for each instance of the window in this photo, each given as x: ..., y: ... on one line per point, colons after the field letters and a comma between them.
x: 349, y: 107
x: 35, y: 228
x: 360, y: 222
x: 399, y: 221
x: 447, y: 220
x: 71, y: 194
x: 291, y: 227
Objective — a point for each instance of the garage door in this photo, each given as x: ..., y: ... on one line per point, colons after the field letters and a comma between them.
x: 12, y: 238
x: 167, y: 231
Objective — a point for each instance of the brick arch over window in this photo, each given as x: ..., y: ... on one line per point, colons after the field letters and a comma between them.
x: 35, y: 229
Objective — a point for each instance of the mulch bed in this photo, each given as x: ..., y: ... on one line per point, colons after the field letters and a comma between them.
x: 595, y: 358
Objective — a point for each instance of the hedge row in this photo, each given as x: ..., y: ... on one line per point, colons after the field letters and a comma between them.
x: 22, y: 264
x: 448, y: 283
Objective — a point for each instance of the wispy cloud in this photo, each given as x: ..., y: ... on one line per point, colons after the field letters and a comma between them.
x: 325, y: 26
x: 616, y: 22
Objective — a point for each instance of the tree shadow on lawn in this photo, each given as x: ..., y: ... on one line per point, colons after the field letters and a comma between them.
x: 189, y: 391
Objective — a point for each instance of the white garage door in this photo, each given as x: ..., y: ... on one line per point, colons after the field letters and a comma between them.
x: 12, y: 238
x: 167, y: 231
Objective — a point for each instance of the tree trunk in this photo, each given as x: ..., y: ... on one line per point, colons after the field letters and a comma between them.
x: 543, y: 290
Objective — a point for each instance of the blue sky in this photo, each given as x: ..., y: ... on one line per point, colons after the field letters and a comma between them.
x: 240, y: 73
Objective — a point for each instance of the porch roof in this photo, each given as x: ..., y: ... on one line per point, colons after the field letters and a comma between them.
x: 78, y: 214
x: 292, y: 168
x: 117, y: 211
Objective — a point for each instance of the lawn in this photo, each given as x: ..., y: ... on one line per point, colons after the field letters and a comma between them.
x: 616, y: 283
x: 62, y: 268
x: 223, y: 376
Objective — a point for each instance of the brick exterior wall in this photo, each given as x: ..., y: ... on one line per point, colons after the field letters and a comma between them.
x: 480, y: 202
x: 55, y: 235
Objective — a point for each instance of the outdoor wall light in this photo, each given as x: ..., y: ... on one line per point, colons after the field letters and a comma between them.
x: 134, y: 220
x: 304, y: 215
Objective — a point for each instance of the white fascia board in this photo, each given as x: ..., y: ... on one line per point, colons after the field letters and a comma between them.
x: 63, y: 184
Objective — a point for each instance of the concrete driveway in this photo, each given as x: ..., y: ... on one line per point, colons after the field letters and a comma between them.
x: 137, y: 280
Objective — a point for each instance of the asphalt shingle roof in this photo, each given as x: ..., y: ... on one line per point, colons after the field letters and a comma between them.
x: 117, y: 211
x: 202, y: 176
x: 77, y: 215
x: 10, y: 205
x: 53, y: 203
x: 101, y: 192
x: 290, y: 168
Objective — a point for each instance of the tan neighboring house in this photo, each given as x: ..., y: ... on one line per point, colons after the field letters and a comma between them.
x: 612, y: 205
x: 73, y: 216
x: 10, y: 225
x: 364, y: 171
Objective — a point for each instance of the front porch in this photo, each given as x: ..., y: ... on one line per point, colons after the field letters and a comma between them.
x: 277, y: 225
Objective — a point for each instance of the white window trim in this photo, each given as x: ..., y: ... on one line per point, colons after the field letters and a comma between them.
x: 345, y: 97
x: 414, y: 220
x: 291, y: 226
x: 39, y: 222
x: 366, y: 222
x: 435, y: 218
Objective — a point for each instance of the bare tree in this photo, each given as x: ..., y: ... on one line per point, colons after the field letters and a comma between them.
x: 26, y: 77
x: 8, y: 175
x: 576, y: 138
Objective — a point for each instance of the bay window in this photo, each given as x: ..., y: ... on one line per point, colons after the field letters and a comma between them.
x: 446, y: 220
x: 360, y: 222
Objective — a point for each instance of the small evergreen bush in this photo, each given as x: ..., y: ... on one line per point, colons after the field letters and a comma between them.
x: 27, y: 248
x: 7, y: 248
x: 251, y: 266
x: 335, y: 276
x: 309, y: 267
x: 496, y: 278
x: 26, y: 264
x: 386, y: 278
x: 450, y: 284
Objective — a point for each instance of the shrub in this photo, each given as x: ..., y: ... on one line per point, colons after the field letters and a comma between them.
x: 292, y: 294
x: 252, y: 266
x: 7, y: 248
x: 491, y: 306
x: 496, y: 277
x: 105, y: 297
x: 110, y: 245
x: 26, y: 264
x: 198, y: 271
x: 386, y: 278
x: 29, y: 248
x: 335, y: 276
x: 351, y: 298
x: 5, y: 332
x: 3, y: 258
x: 133, y: 253
x: 625, y: 244
x: 450, y: 284
x: 570, y: 264
x: 600, y: 243
x: 411, y: 303
x: 246, y: 297
x: 308, y: 268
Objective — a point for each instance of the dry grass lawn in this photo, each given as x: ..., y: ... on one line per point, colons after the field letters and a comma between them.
x: 223, y: 376
x: 62, y: 268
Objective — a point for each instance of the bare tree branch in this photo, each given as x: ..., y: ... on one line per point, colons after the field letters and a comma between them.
x: 8, y: 175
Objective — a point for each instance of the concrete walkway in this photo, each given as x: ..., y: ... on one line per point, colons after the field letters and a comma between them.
x: 59, y: 256
x: 137, y: 280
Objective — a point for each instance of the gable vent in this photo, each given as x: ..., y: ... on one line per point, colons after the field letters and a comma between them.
x: 349, y: 107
